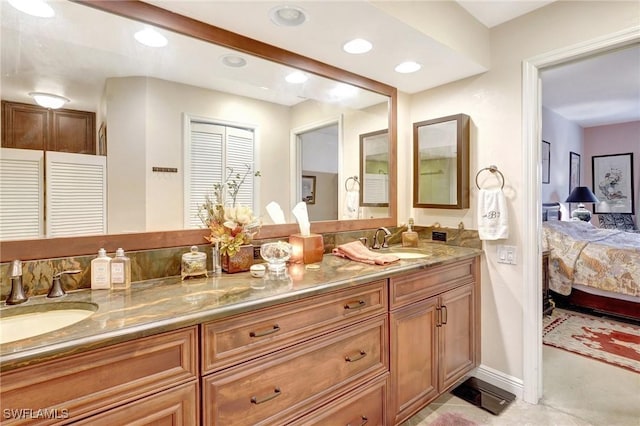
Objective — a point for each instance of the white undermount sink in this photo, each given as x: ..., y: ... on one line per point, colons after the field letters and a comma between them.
x: 407, y: 253
x: 27, y: 321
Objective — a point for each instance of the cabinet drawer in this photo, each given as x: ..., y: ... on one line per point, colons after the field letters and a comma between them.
x: 86, y: 383
x: 421, y: 285
x: 176, y: 406
x: 366, y: 405
x: 279, y: 387
x: 250, y: 335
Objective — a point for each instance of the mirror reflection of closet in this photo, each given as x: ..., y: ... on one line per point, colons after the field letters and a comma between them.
x: 441, y: 163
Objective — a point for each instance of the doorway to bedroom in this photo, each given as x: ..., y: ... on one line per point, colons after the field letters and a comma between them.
x: 567, y: 379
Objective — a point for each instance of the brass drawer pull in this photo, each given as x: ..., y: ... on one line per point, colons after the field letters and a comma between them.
x: 361, y: 354
x: 265, y: 332
x: 446, y: 314
x: 356, y: 305
x: 364, y: 421
x: 259, y: 400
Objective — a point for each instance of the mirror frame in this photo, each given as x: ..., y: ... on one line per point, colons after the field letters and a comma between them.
x: 85, y: 245
x: 462, y: 162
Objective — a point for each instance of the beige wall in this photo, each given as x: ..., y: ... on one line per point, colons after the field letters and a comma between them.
x: 493, y: 100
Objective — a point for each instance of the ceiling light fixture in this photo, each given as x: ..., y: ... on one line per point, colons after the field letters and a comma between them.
x: 150, y: 37
x: 287, y: 16
x: 408, y: 67
x: 296, y: 77
x: 48, y: 100
x: 234, y: 61
x: 37, y: 8
x: 357, y: 46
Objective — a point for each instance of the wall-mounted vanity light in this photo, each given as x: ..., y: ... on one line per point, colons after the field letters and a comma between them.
x: 48, y: 100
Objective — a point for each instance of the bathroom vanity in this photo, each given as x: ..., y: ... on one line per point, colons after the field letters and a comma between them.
x: 349, y: 342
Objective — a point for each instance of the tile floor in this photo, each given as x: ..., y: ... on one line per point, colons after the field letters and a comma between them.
x: 578, y: 391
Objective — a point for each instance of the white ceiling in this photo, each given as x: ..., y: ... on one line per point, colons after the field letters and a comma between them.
x: 568, y: 90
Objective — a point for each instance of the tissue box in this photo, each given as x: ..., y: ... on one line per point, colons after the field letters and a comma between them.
x: 306, y: 248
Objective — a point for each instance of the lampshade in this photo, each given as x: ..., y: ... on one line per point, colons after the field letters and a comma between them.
x: 48, y: 100
x: 581, y: 194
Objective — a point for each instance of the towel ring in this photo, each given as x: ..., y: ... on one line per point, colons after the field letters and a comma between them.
x: 355, y: 181
x: 492, y: 169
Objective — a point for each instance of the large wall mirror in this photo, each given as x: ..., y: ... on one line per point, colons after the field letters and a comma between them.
x: 147, y: 98
x: 441, y: 163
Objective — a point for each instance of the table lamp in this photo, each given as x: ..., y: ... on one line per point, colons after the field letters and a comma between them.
x: 580, y: 195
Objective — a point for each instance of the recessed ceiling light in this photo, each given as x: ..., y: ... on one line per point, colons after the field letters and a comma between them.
x: 287, y: 16
x: 234, y: 61
x: 357, y: 46
x: 408, y: 67
x: 37, y: 8
x: 343, y: 91
x: 48, y: 100
x: 296, y: 77
x: 150, y: 37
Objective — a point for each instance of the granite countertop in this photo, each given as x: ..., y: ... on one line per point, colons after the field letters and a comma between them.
x: 155, y: 306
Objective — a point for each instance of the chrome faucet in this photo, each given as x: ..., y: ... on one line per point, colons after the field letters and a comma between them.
x: 385, y: 239
x: 56, y: 289
x: 17, y: 295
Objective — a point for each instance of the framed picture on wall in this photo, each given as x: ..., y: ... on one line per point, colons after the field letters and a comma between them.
x: 613, y: 183
x: 546, y: 161
x: 574, y: 172
x: 309, y: 189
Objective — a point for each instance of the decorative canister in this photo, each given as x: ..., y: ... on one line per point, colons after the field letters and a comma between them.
x: 194, y: 263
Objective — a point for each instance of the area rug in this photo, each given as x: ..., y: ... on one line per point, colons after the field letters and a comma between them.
x: 609, y: 341
x: 452, y: 419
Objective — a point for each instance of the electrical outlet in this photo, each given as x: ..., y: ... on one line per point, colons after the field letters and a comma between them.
x: 256, y: 252
x: 439, y: 236
x: 507, y: 254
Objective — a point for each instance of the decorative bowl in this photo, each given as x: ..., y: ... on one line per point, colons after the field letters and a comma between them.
x: 276, y: 254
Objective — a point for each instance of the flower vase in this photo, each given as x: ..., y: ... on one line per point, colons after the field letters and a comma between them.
x: 239, y: 262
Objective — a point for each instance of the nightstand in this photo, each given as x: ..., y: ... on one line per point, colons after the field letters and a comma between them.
x: 547, y: 305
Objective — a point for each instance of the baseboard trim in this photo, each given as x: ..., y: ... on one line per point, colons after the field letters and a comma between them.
x: 500, y: 379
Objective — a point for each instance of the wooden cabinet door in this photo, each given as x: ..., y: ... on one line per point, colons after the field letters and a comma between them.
x: 414, y: 365
x: 73, y: 131
x: 24, y: 126
x: 456, y: 335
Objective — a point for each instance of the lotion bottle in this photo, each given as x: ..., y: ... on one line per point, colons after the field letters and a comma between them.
x: 120, y: 271
x: 101, y: 271
x: 410, y: 237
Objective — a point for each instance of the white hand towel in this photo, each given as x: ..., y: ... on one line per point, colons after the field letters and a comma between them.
x: 493, y: 219
x: 351, y: 205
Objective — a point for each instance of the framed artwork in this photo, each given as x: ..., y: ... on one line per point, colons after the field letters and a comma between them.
x: 574, y: 172
x: 546, y: 161
x: 309, y: 189
x: 613, y: 183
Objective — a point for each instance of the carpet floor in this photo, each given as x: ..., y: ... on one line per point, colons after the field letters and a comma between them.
x: 602, y: 339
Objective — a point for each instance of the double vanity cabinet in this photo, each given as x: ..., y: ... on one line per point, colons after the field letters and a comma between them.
x: 372, y: 353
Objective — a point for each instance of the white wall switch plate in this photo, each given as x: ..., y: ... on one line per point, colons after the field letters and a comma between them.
x: 507, y: 254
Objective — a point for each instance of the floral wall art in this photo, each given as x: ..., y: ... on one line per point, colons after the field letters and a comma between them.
x: 613, y: 183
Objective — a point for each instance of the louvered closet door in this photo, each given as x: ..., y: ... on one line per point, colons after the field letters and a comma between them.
x: 209, y: 153
x: 76, y: 194
x: 203, y: 168
x: 21, y: 193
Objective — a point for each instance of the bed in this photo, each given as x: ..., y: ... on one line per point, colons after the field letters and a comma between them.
x: 593, y: 268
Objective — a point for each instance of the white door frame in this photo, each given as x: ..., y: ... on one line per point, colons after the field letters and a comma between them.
x: 532, y: 172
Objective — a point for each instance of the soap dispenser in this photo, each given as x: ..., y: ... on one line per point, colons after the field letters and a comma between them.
x: 410, y: 237
x: 101, y: 271
x: 120, y: 271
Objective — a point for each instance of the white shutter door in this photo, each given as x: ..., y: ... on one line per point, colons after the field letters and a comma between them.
x: 21, y: 194
x: 76, y: 194
x: 239, y: 156
x: 203, y: 168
